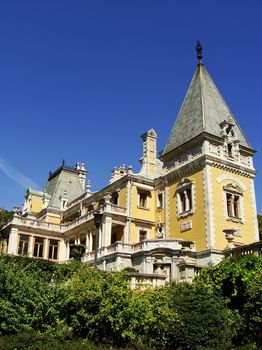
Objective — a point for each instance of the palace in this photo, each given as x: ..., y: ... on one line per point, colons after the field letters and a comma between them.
x: 184, y: 210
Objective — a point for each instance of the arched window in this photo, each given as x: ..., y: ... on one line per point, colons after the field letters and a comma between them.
x: 234, y: 196
x: 184, y: 197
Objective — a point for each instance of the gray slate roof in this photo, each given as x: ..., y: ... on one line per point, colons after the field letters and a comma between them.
x: 203, y: 109
x: 65, y: 179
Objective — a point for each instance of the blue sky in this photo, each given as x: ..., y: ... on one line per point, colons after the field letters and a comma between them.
x: 82, y: 80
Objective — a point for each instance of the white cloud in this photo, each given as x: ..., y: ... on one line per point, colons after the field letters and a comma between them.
x: 16, y: 176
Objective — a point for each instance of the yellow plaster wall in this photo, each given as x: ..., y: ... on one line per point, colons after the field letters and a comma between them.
x: 152, y: 156
x: 122, y: 197
x: 53, y: 219
x: 36, y: 204
x: 147, y: 214
x: 197, y: 233
x: 143, y: 213
x: 159, y: 212
x: 133, y: 233
x: 135, y: 227
x: 247, y: 228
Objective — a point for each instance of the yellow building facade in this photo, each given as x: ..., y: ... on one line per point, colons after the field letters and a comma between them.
x: 184, y: 209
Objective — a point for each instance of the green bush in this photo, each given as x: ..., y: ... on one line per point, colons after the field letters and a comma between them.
x: 238, y: 280
x: 204, y: 317
x: 49, y: 306
x: 77, y: 251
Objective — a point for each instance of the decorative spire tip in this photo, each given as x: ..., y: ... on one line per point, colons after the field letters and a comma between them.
x: 199, y: 52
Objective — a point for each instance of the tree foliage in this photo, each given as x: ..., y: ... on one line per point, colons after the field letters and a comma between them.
x: 259, y: 220
x: 71, y: 301
x: 5, y: 216
x: 238, y: 280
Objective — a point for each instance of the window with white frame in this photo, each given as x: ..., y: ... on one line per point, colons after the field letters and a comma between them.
x: 53, y: 249
x: 234, y: 197
x: 160, y: 200
x: 23, y: 244
x: 38, y: 247
x: 184, y: 197
x: 143, y: 198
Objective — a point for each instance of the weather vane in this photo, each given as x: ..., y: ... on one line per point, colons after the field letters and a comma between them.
x: 199, y: 51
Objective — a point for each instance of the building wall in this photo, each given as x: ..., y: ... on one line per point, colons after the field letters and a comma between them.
x: 248, y: 225
x: 36, y: 204
x: 197, y: 233
x: 122, y: 197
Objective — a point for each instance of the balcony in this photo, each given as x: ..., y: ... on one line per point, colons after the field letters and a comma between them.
x: 126, y: 248
x: 106, y: 208
x: 33, y: 223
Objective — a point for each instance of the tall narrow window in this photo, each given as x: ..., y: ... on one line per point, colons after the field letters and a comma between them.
x: 53, y: 249
x: 184, y: 196
x: 160, y: 200
x: 233, y: 201
x: 23, y: 244
x: 143, y: 198
x: 38, y: 247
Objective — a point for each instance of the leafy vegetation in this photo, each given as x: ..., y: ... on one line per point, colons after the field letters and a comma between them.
x: 5, y: 216
x: 71, y: 306
x: 77, y: 251
x: 259, y: 220
x: 239, y: 281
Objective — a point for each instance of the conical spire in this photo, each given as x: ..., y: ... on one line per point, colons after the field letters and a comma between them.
x: 203, y: 110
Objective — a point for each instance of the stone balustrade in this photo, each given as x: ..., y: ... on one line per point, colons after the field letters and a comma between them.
x: 22, y: 221
x: 144, y: 246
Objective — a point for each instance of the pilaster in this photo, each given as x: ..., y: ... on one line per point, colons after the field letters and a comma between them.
x: 209, y: 208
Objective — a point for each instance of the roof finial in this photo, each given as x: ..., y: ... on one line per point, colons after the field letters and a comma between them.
x: 199, y: 52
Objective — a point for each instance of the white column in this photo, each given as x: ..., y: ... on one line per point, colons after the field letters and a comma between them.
x: 100, y: 237
x: 106, y: 231
x: 64, y: 250
x: 31, y: 246
x: 13, y: 241
x: 67, y: 250
x: 90, y: 241
x: 87, y: 242
x: 46, y: 246
x: 209, y: 208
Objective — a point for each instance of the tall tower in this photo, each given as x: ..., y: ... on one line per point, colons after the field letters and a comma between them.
x: 209, y: 167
